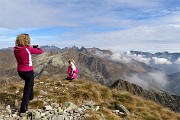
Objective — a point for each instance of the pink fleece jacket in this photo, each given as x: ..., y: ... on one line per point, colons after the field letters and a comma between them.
x: 23, y: 57
x: 72, y: 73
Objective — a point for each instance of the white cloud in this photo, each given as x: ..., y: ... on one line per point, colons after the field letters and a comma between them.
x: 26, y: 13
x: 118, y: 24
x: 115, y: 56
x: 124, y: 57
x: 141, y: 58
x: 138, y: 3
x: 127, y: 57
x: 149, y: 81
x: 141, y: 34
x: 120, y: 57
x: 177, y: 61
x: 161, y: 61
x: 173, y: 18
x: 145, y: 38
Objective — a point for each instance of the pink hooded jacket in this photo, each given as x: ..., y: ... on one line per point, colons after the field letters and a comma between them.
x: 23, y: 57
x: 72, y: 73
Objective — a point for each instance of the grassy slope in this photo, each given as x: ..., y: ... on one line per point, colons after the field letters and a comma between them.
x: 60, y: 91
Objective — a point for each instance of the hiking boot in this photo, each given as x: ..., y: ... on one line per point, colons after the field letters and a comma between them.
x: 22, y: 114
x: 31, y: 98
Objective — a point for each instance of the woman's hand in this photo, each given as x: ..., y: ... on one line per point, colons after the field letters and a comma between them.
x: 38, y: 46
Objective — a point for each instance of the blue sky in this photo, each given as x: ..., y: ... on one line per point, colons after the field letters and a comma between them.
x: 124, y: 25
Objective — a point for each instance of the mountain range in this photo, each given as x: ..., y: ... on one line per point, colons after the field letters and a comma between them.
x: 167, y: 62
x: 102, y: 66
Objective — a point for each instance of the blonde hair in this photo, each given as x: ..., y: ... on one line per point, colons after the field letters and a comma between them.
x: 71, y: 60
x: 23, y: 40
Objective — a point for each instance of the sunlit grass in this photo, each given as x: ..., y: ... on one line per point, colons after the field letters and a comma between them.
x: 78, y: 91
x: 36, y: 104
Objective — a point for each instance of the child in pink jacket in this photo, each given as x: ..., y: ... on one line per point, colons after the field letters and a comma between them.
x: 72, y: 70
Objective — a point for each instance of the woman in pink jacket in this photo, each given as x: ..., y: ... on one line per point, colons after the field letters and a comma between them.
x: 22, y: 52
x: 72, y: 70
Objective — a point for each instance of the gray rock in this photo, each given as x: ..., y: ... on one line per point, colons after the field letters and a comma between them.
x: 68, y: 111
x: 43, y: 92
x: 123, y: 109
x: 45, y: 73
x: 8, y: 108
x: 89, y: 103
x: 1, y: 117
x: 48, y: 108
x: 96, y: 108
x: 58, y: 117
x: 115, y: 111
x: 69, y: 106
x: 36, y: 114
x: 59, y: 109
x: 16, y: 103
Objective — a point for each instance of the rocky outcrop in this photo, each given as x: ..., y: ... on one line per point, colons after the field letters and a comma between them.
x: 66, y: 111
x: 167, y: 100
x: 52, y: 111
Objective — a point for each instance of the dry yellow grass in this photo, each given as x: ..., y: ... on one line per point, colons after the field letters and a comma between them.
x: 78, y: 91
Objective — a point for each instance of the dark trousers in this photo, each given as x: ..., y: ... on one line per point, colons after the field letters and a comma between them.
x: 28, y: 93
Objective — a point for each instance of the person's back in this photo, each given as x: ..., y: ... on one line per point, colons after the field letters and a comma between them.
x: 22, y: 53
x: 23, y: 57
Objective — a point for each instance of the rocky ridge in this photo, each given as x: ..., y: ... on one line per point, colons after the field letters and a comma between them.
x: 167, y: 100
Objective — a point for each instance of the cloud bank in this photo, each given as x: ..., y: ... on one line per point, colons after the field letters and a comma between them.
x: 127, y: 57
x: 150, y: 81
x: 156, y: 80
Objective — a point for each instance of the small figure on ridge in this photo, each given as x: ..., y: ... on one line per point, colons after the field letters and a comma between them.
x: 72, y: 70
